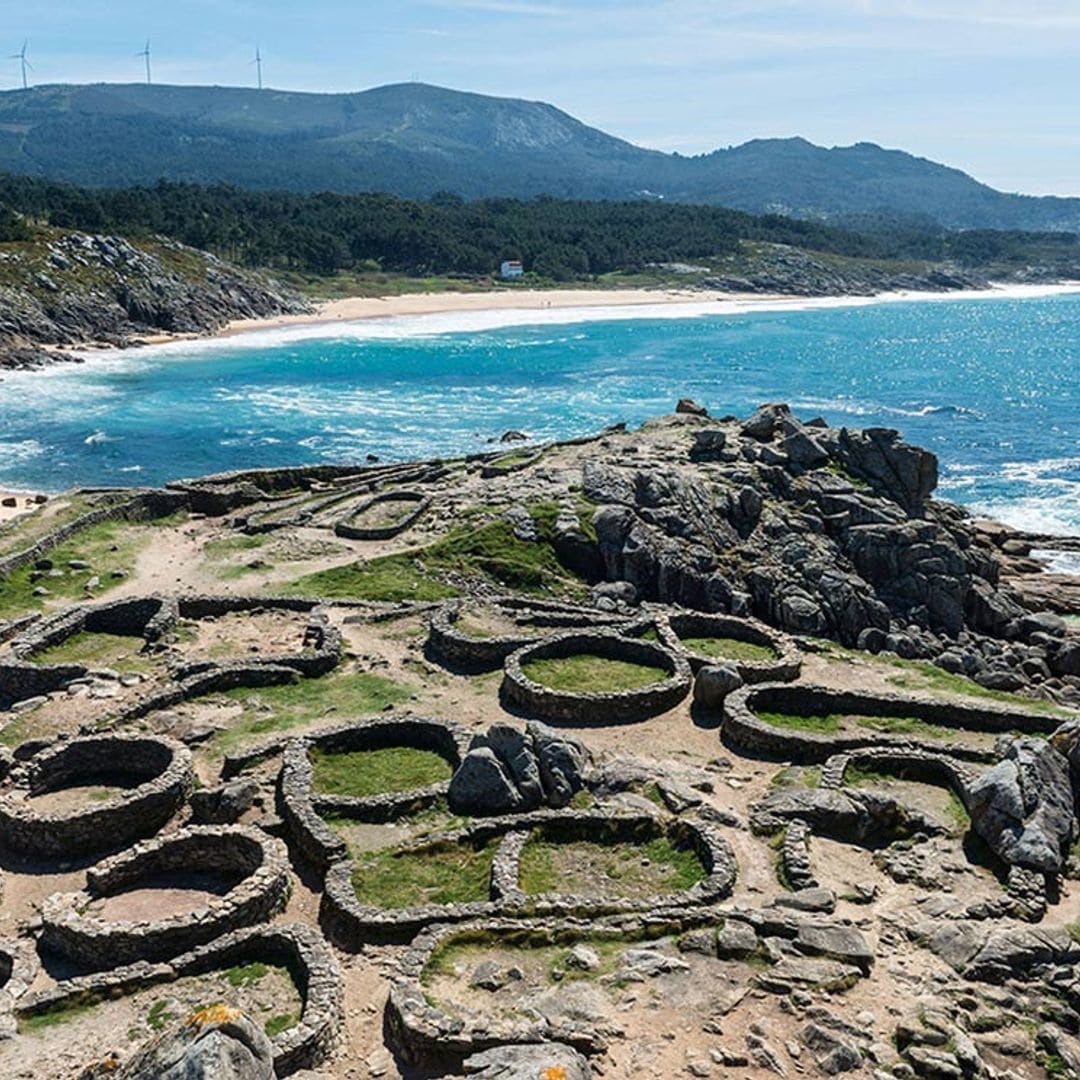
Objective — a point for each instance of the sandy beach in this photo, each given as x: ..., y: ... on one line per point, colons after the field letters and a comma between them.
x: 359, y: 309
x: 354, y: 308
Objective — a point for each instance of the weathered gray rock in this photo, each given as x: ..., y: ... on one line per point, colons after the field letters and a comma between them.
x: 563, y: 763
x: 528, y: 1062
x: 713, y: 683
x: 845, y: 943
x: 736, y: 940
x: 507, y: 771
x: 1023, y: 806
x: 223, y: 804
x: 765, y: 421
x: 218, y: 1043
x: 515, y: 751
x: 481, y: 785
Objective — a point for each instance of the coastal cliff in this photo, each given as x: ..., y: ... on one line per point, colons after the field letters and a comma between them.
x: 66, y: 289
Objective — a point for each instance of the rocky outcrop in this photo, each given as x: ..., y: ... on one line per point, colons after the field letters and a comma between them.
x: 80, y: 288
x: 791, y: 271
x: 819, y: 531
x: 1023, y: 806
x: 216, y: 1043
x: 508, y: 771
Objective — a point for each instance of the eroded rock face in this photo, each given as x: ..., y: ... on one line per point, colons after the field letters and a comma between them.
x: 218, y: 1043
x: 816, y: 530
x: 1023, y: 806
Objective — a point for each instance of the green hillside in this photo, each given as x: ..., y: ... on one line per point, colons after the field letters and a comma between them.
x: 414, y: 140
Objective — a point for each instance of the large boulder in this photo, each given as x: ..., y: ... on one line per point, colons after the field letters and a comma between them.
x: 482, y: 786
x: 514, y: 749
x: 538, y: 1061
x: 563, y: 763
x: 906, y: 474
x: 216, y: 1043
x: 225, y: 803
x: 508, y: 772
x: 1023, y: 806
x: 853, y: 815
x: 714, y: 682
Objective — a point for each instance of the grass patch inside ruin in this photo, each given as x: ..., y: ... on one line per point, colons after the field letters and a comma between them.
x: 278, y: 708
x: 921, y: 675
x: 446, y: 873
x: 60, y: 1013
x: 277, y: 1024
x: 590, y: 673
x: 834, y: 723
x: 723, y: 648
x: 490, y: 551
x: 362, y: 773
x: 806, y: 776
x: 121, y: 652
x: 822, y: 725
x: 107, y: 548
x: 613, y: 867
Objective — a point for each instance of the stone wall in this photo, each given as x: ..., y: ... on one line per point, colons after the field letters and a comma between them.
x: 593, y: 709
x: 427, y: 1036
x: 162, y: 767
x: 536, y: 617
x: 217, y: 679
x: 145, y: 506
x: 258, y: 863
x: 297, y: 947
x: 744, y: 729
x: 785, y: 666
x: 350, y: 531
x: 351, y: 924
x: 301, y: 807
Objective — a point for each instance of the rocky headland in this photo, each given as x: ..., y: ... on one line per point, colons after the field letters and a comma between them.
x: 69, y: 289
x: 717, y: 748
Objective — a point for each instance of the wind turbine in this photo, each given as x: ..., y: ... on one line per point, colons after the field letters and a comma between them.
x: 258, y: 65
x: 145, y: 54
x: 21, y: 57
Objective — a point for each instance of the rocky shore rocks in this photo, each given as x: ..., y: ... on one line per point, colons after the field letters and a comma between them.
x: 822, y: 532
x: 773, y: 269
x: 79, y: 289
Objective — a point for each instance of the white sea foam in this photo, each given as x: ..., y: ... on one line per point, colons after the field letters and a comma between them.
x: 459, y: 322
x: 1058, y: 514
x: 15, y: 453
x: 1059, y: 562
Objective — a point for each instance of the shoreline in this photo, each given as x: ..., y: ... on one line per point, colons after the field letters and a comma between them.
x: 416, y: 312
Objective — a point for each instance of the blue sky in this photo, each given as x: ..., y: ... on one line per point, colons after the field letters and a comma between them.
x: 991, y: 86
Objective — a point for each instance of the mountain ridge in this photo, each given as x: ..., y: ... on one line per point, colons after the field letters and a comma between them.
x: 415, y: 140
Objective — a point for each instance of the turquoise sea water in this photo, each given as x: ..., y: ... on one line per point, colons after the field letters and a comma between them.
x: 992, y: 386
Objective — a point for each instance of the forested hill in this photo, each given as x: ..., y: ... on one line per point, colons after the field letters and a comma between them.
x: 415, y: 140
x: 556, y: 239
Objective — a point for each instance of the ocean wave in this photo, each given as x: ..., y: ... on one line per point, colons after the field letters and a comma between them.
x: 384, y: 327
x: 98, y: 438
x: 1059, y: 562
x: 1053, y: 514
x: 15, y: 453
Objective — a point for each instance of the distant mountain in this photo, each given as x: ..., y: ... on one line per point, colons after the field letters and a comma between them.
x: 415, y: 140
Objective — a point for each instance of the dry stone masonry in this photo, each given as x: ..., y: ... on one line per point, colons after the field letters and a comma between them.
x: 826, y: 861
